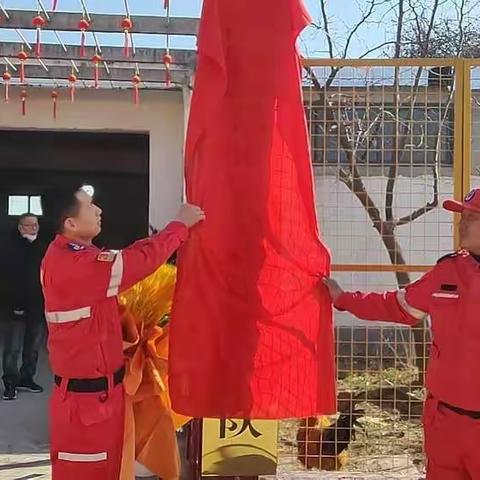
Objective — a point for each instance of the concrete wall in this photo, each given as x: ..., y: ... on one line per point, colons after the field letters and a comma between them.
x: 161, y: 114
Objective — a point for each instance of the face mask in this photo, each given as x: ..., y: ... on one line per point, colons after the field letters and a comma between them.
x: 30, y: 238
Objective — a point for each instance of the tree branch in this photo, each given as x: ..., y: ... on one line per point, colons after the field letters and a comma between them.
x: 398, y: 39
x: 355, y: 28
x: 435, y: 200
x: 393, y: 171
x: 384, y: 44
x: 326, y: 27
x: 425, y: 209
x: 399, y: 145
x: 461, y: 36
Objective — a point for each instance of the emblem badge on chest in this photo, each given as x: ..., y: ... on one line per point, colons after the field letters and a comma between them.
x: 107, y: 256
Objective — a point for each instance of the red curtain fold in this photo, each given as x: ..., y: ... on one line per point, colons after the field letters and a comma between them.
x: 251, y: 331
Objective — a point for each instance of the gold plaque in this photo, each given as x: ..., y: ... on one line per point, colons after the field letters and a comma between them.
x: 239, y: 447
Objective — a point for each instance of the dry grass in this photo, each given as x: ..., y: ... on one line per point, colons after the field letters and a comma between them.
x: 391, y: 438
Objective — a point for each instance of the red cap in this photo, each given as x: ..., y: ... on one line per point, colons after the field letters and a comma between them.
x: 471, y: 202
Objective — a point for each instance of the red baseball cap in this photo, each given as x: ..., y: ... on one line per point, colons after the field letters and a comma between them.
x: 471, y: 202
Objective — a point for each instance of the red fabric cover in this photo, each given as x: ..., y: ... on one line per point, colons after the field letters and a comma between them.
x: 251, y: 332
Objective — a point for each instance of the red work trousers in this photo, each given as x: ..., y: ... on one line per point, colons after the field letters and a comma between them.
x: 451, y: 443
x: 87, y: 434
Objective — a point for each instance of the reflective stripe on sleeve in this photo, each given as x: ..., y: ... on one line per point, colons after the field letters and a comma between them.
x: 414, y: 312
x: 116, y: 276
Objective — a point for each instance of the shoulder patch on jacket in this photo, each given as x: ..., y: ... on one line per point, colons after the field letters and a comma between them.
x: 107, y: 256
x: 76, y: 247
x: 446, y: 257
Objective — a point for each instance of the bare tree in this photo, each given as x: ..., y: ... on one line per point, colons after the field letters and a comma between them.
x: 420, y: 31
x: 456, y: 36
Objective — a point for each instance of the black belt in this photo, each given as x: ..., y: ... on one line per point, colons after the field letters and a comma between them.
x: 461, y: 411
x: 91, y: 385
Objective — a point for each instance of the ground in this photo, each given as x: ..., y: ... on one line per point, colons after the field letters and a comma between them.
x: 390, y: 442
x: 24, y: 438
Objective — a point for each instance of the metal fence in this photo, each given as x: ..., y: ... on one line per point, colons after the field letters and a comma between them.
x: 391, y: 139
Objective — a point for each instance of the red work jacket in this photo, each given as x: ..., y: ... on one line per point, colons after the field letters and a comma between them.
x: 81, y: 284
x: 450, y: 294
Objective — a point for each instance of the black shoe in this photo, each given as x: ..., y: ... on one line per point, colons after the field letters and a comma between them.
x: 10, y: 392
x: 29, y: 386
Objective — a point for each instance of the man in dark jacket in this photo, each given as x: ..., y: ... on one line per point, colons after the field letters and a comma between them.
x: 25, y: 318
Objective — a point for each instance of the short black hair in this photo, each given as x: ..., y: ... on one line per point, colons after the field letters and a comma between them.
x: 60, y: 203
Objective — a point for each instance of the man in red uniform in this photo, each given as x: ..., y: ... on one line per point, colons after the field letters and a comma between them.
x: 80, y: 285
x: 450, y: 295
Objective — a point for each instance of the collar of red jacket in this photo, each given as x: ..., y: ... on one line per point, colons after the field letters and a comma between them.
x: 62, y: 240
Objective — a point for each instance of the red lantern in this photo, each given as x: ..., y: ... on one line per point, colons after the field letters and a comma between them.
x: 167, y: 61
x: 23, y: 57
x: 97, y: 59
x: 83, y: 26
x: 6, y: 78
x: 38, y: 22
x: 136, y: 79
x: 72, y: 80
x: 54, y: 99
x: 127, y: 26
x: 23, y: 97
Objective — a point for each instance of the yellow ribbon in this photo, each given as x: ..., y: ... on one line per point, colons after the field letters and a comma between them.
x: 150, y: 423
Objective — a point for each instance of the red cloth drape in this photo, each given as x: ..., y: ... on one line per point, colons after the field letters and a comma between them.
x: 251, y: 331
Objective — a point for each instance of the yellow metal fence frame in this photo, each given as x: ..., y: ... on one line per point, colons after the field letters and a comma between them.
x: 462, y: 133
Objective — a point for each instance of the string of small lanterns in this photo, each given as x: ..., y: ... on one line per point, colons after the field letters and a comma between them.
x: 41, y: 20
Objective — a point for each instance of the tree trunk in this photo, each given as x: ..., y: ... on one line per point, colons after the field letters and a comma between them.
x: 386, y: 231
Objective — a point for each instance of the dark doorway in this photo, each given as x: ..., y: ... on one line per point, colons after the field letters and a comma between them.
x: 115, y: 164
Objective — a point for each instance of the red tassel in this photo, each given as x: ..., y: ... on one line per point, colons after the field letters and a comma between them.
x: 38, y: 22
x: 82, y: 44
x: 169, y: 77
x: 72, y: 79
x: 54, y: 98
x: 22, y: 56
x: 83, y: 26
x: 54, y: 6
x: 136, y: 79
x: 6, y: 78
x: 167, y: 61
x: 97, y: 58
x: 127, y: 26
x: 126, y: 48
x: 38, y: 48
x: 97, y: 75
x: 136, y: 95
x: 166, y: 4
